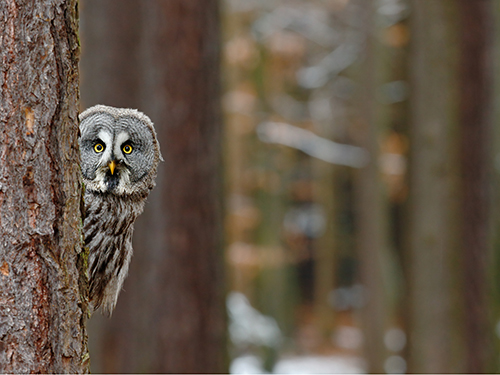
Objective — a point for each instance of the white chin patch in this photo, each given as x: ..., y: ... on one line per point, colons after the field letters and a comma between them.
x: 99, y: 183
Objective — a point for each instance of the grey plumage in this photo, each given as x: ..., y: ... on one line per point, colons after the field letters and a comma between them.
x: 119, y: 158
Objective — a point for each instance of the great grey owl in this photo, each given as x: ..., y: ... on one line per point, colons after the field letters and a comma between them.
x: 119, y: 158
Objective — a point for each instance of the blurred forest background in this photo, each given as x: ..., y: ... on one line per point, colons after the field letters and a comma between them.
x: 329, y: 200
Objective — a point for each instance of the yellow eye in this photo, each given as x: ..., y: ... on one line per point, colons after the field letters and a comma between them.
x: 98, y: 148
x: 127, y: 149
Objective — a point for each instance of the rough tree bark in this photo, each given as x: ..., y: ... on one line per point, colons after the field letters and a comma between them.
x: 42, y: 265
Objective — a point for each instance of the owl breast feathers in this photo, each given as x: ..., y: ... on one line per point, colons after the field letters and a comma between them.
x: 119, y: 158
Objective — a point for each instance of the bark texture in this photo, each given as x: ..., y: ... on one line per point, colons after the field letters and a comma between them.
x: 42, y: 266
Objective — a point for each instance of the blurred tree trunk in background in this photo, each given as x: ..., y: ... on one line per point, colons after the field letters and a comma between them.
x: 111, y: 34
x: 325, y: 190
x: 371, y: 203
x: 433, y: 225
x: 452, y: 85
x: 42, y: 284
x: 162, y: 57
x: 181, y: 90
x: 494, y: 266
x: 475, y: 120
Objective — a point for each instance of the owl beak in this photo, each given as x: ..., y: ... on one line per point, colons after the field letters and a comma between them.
x: 112, y: 166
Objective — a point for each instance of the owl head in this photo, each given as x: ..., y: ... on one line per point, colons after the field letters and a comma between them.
x: 119, y: 151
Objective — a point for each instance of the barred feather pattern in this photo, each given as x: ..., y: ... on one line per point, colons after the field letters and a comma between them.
x: 108, y: 228
x: 119, y: 159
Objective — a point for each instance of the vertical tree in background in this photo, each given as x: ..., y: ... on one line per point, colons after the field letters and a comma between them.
x: 182, y: 90
x: 433, y: 228
x: 111, y: 33
x: 171, y: 315
x: 371, y: 203
x: 494, y: 263
x: 42, y: 267
x: 475, y: 115
x: 452, y: 85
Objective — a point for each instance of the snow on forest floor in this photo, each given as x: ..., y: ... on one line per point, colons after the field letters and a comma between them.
x: 310, y: 364
x: 250, y: 328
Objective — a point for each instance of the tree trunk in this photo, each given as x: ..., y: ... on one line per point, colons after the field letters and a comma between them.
x: 475, y: 105
x: 433, y: 228
x: 43, y: 302
x: 372, y: 205
x: 111, y: 36
x: 181, y: 92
